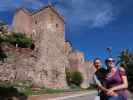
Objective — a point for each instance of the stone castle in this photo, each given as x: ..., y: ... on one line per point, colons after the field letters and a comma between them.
x: 46, y: 27
x: 46, y: 66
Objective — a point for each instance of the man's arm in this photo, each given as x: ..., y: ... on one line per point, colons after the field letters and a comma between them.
x: 98, y: 83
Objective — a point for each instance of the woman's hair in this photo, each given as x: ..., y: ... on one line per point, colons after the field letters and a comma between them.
x: 123, y: 65
x: 96, y: 60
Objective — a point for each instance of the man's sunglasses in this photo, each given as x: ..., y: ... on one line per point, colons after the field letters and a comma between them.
x: 110, y: 61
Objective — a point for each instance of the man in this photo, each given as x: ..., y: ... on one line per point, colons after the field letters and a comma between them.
x: 99, y: 77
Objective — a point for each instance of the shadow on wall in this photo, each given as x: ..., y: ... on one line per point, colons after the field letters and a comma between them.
x: 3, y: 56
x: 11, y: 93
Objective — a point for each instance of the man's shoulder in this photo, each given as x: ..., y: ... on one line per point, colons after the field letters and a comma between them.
x: 101, y: 72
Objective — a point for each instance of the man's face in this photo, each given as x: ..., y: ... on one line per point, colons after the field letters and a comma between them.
x: 97, y: 64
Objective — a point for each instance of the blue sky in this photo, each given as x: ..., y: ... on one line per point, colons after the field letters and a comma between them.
x: 91, y: 25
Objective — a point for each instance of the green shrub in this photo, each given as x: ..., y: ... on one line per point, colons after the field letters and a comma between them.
x: 16, y: 38
x: 7, y: 89
x: 3, y: 38
x: 74, y: 77
x: 20, y: 39
x: 77, y: 77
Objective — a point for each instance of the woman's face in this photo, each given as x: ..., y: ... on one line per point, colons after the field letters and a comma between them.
x: 97, y: 64
x: 110, y: 63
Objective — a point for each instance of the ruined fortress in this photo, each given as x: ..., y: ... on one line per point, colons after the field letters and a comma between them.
x: 46, y: 64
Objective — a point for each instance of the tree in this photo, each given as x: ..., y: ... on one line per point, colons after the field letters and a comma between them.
x: 125, y: 57
x: 74, y: 77
x: 129, y: 71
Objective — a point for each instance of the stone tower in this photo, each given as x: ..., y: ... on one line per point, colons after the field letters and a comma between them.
x: 46, y: 27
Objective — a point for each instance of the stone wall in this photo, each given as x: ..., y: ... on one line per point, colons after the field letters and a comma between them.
x: 23, y: 65
x: 89, y: 71
x: 76, y: 61
x: 19, y: 64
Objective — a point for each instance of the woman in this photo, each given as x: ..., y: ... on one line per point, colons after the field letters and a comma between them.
x: 115, y: 81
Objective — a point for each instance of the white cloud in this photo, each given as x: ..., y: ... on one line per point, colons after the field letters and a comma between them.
x: 91, y: 13
x: 103, y: 18
x: 94, y: 13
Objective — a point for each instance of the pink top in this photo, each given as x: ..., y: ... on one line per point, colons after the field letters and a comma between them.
x: 115, y: 80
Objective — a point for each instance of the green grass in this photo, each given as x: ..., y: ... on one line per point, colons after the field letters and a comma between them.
x: 21, y: 88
